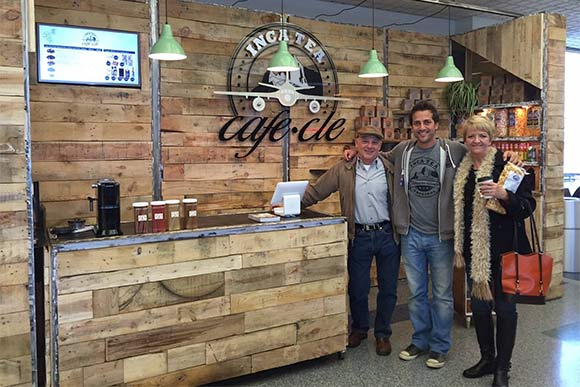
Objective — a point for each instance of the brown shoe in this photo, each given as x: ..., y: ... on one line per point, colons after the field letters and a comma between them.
x: 355, y: 338
x: 383, y: 346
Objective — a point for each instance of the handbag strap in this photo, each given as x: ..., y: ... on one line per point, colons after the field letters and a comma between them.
x: 535, y: 244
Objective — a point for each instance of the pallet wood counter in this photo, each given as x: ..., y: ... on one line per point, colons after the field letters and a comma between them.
x: 232, y: 297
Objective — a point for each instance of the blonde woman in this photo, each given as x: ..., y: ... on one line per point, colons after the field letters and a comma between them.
x: 481, y: 236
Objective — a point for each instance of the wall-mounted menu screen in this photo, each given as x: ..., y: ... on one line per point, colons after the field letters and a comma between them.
x: 87, y: 56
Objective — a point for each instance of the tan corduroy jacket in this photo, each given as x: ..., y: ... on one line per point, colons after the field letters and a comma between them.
x: 341, y: 177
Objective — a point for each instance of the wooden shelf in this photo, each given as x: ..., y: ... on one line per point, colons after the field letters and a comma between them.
x: 519, y: 139
x: 508, y: 105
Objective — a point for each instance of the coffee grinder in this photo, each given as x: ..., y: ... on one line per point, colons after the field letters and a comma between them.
x: 108, y: 207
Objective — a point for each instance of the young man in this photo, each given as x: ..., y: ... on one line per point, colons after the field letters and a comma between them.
x: 425, y: 168
x: 366, y: 185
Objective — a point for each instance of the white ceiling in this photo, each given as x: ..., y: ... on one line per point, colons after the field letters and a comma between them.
x: 389, y: 12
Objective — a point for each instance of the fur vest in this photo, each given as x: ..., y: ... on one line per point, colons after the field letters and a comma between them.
x: 480, y: 226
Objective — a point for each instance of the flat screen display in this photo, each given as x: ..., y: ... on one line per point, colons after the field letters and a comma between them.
x: 87, y: 56
x: 288, y: 187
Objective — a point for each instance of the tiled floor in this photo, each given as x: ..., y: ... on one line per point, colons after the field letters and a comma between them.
x: 547, y: 354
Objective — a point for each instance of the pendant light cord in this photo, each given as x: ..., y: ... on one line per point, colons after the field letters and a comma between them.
x: 449, y: 28
x: 166, y: 12
x: 373, y: 30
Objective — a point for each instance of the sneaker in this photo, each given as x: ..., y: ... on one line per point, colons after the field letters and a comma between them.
x: 436, y: 360
x: 411, y: 352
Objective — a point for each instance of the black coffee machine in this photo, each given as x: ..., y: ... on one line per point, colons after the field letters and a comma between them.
x: 108, y: 207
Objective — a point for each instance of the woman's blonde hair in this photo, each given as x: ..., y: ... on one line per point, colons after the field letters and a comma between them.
x: 478, y: 122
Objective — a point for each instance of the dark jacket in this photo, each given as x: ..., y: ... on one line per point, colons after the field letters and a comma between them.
x: 519, y: 206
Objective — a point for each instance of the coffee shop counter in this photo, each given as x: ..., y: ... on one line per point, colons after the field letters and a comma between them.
x: 228, y: 298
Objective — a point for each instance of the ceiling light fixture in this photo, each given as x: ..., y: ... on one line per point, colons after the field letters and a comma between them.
x: 282, y: 60
x: 166, y: 47
x: 449, y: 72
x: 373, y: 68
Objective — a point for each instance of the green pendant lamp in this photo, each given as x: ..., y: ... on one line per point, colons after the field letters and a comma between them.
x: 166, y: 47
x: 373, y: 68
x: 282, y: 60
x: 449, y: 72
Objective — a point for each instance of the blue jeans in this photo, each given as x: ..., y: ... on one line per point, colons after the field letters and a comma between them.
x: 366, y: 245
x: 432, y: 322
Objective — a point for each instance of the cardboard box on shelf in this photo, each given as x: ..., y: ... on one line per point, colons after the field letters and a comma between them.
x: 485, y: 81
x: 518, y: 91
x: 387, y: 122
x: 414, y: 94
x: 401, y: 122
x: 375, y: 121
x: 389, y: 133
x: 407, y: 104
x: 367, y: 111
x: 498, y: 80
x: 426, y: 93
x: 383, y: 111
x: 361, y: 122
x: 495, y: 98
x: 483, y: 95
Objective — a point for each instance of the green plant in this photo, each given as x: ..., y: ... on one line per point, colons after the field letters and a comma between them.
x: 461, y: 99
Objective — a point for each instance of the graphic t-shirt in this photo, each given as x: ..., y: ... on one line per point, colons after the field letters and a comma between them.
x: 424, y: 186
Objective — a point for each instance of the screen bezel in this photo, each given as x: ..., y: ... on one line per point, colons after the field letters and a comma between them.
x: 288, y: 187
x: 100, y: 84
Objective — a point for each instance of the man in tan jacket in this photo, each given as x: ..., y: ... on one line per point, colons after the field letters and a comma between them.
x: 365, y: 201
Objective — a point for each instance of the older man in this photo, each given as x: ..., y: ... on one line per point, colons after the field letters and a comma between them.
x: 366, y: 185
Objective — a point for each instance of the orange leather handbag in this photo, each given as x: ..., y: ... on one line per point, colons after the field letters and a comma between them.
x: 527, y: 276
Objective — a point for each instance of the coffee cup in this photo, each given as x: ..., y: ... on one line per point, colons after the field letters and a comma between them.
x: 482, y: 180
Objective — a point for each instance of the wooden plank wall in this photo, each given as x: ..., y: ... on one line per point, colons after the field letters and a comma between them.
x: 15, y: 356
x: 516, y: 46
x: 349, y: 47
x: 196, y: 162
x: 553, y: 226
x: 194, y: 311
x: 81, y: 133
x: 414, y: 61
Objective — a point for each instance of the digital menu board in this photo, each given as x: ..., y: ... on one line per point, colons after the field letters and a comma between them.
x: 87, y: 56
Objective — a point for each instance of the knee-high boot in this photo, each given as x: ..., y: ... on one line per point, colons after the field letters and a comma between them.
x: 506, y: 338
x: 485, y: 338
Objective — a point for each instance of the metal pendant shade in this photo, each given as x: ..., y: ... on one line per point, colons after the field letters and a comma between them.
x: 282, y: 59
x: 373, y: 68
x: 449, y: 72
x: 166, y: 47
